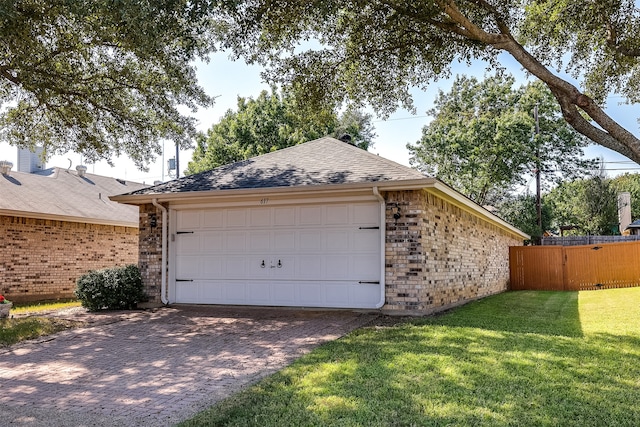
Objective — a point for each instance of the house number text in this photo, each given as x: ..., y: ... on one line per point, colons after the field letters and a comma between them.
x: 264, y: 201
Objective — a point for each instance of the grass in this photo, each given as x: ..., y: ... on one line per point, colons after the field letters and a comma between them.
x: 14, y: 330
x: 515, y: 359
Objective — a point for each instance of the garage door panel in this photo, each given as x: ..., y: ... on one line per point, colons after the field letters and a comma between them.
x: 210, y: 266
x: 236, y: 267
x: 260, y: 217
x: 366, y: 214
x: 235, y: 241
x: 309, y: 267
x: 284, y: 240
x: 284, y: 217
x: 337, y: 241
x: 337, y: 215
x: 188, y: 244
x: 310, y: 240
x: 259, y: 241
x: 213, y: 219
x: 259, y: 292
x: 310, y: 215
x: 211, y: 242
x: 366, y: 241
x: 323, y: 254
x: 189, y: 220
x: 236, y: 218
x: 188, y: 266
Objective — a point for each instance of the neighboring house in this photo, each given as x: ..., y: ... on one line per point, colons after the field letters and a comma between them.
x: 632, y: 229
x: 56, y: 225
x: 321, y: 224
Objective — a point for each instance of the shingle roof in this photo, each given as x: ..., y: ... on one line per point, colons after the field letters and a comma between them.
x: 319, y: 162
x: 60, y: 193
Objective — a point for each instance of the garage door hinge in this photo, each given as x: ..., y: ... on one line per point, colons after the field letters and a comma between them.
x: 184, y: 232
x: 365, y: 282
x: 368, y: 228
x: 184, y: 280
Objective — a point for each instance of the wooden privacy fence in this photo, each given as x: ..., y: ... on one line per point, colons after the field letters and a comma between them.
x: 575, y: 268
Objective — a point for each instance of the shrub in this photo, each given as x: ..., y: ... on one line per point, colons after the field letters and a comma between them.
x: 111, y: 288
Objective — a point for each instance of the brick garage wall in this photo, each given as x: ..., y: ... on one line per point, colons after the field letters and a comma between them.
x: 150, y: 255
x: 41, y: 259
x: 439, y: 256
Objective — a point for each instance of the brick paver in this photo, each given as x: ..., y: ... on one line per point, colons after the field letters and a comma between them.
x: 156, y: 368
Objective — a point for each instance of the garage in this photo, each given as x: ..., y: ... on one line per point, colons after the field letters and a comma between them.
x: 321, y: 224
x: 296, y: 254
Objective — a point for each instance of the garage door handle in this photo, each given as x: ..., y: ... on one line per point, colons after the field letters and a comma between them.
x: 184, y: 232
x: 184, y: 280
x: 374, y: 282
x: 368, y: 228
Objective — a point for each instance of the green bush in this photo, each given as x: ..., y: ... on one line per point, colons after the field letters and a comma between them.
x: 112, y: 288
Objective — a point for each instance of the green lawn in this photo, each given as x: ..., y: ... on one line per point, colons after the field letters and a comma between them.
x: 515, y: 359
x: 14, y: 330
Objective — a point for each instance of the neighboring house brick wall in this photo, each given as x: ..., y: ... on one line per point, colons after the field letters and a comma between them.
x: 150, y: 256
x: 42, y: 259
x: 439, y: 256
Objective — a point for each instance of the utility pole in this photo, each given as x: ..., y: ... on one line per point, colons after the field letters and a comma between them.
x: 538, y: 198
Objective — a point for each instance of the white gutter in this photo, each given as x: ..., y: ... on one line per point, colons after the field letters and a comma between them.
x: 163, y: 288
x: 383, y: 232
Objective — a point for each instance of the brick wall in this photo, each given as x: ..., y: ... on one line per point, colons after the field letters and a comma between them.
x: 150, y: 256
x: 439, y: 256
x: 41, y: 259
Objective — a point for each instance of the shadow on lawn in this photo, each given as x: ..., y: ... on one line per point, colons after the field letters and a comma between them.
x: 519, y: 358
x: 548, y: 313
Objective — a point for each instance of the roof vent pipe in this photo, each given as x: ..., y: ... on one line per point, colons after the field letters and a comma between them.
x: 5, y: 167
x: 346, y: 138
x: 82, y: 170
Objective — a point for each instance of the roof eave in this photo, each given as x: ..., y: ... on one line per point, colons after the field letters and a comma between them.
x: 68, y: 218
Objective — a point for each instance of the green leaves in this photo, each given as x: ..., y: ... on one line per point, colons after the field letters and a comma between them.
x: 101, y: 78
x: 482, y: 141
x: 272, y: 122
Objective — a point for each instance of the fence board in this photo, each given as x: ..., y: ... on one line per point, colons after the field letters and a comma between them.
x: 611, y: 265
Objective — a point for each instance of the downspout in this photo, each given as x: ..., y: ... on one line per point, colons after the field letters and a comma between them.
x: 383, y: 232
x: 163, y: 287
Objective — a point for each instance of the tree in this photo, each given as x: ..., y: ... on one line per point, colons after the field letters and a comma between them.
x: 482, y: 137
x: 521, y: 212
x: 272, y: 122
x: 589, y: 204
x: 101, y: 77
x: 374, y: 51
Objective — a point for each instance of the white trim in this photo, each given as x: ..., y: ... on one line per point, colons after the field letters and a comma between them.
x: 383, y: 252
x: 163, y: 273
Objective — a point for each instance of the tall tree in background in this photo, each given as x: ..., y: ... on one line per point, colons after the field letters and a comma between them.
x: 375, y: 50
x: 481, y: 139
x: 521, y: 211
x: 589, y: 204
x: 272, y: 122
x: 99, y: 77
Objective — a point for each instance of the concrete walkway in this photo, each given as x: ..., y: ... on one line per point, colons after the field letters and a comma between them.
x: 155, y: 368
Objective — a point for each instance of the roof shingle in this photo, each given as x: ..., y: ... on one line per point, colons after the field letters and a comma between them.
x: 319, y: 162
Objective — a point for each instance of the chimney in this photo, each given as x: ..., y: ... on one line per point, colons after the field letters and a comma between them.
x: 624, y: 210
x: 5, y: 167
x: 29, y: 161
x: 82, y: 170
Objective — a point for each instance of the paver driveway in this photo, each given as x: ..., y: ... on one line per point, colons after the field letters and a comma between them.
x: 155, y: 368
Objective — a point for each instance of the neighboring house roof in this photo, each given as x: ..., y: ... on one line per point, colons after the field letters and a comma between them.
x: 634, y: 224
x: 61, y: 194
x: 323, y: 165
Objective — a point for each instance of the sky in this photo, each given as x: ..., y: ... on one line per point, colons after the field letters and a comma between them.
x: 226, y: 80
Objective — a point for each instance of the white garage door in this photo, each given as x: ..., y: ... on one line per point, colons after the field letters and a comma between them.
x: 310, y: 256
